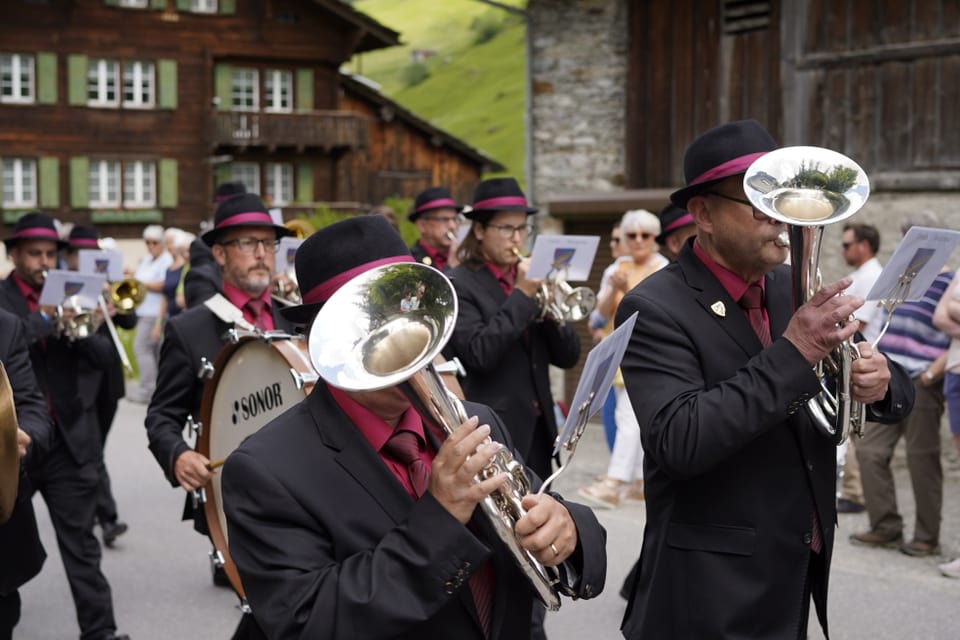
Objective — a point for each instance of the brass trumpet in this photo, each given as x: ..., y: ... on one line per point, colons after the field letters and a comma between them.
x: 558, y: 300
x: 126, y: 295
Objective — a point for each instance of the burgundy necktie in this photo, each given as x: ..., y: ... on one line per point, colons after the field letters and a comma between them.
x: 255, y: 307
x: 405, y: 447
x: 752, y: 302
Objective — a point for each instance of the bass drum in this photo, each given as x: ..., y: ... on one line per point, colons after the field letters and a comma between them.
x: 254, y: 381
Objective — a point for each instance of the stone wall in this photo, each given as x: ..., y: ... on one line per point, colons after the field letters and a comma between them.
x: 578, y: 52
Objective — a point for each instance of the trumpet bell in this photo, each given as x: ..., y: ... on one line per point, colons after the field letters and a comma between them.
x: 126, y: 295
x: 300, y: 228
x: 806, y: 186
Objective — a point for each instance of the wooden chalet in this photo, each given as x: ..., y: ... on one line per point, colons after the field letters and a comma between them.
x: 124, y: 112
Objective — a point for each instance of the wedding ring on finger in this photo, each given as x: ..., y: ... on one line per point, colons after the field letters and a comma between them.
x: 553, y: 548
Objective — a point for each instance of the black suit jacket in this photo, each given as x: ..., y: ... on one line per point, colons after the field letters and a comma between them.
x: 21, y: 552
x: 734, y: 469
x: 59, y: 366
x: 506, y: 352
x: 330, y: 545
x: 189, y: 337
x: 203, y: 278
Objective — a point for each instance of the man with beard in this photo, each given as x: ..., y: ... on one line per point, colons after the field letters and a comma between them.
x: 244, y: 242
x: 436, y: 215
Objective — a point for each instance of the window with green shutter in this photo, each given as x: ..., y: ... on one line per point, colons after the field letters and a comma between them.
x: 77, y: 79
x: 304, y: 97
x: 304, y: 182
x: 49, y: 182
x: 168, y: 183
x: 167, y: 79
x: 228, y: 7
x: 79, y: 183
x: 46, y: 78
x: 222, y: 86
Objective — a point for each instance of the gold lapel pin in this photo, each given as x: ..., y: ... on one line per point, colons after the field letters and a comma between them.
x: 719, y: 308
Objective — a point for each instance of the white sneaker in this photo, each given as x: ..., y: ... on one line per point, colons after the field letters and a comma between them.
x: 950, y: 569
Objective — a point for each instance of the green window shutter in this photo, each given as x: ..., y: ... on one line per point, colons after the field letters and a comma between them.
x: 222, y: 82
x: 77, y: 79
x: 111, y: 3
x: 46, y: 78
x: 168, y: 183
x: 79, y: 183
x: 183, y: 5
x: 304, y: 182
x: 49, y: 169
x: 167, y: 81
x: 221, y: 173
x: 304, y: 96
x: 228, y: 7
x: 158, y: 4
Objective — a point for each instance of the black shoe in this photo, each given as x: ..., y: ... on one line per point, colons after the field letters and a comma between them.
x: 112, y: 531
x: 220, y: 578
x: 849, y: 506
x: 118, y: 636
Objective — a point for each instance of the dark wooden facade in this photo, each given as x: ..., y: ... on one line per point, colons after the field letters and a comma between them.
x: 330, y: 138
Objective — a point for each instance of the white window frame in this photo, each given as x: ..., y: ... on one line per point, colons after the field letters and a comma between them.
x: 22, y: 78
x: 244, y: 88
x: 19, y: 183
x: 104, y: 182
x: 278, y: 90
x: 103, y: 75
x: 278, y: 183
x: 139, y: 184
x: 134, y: 4
x: 247, y: 173
x: 203, y: 6
x: 140, y: 84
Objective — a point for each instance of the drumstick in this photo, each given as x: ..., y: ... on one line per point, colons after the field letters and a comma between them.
x: 215, y: 463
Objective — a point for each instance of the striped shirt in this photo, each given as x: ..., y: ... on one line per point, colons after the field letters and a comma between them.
x: 912, y: 341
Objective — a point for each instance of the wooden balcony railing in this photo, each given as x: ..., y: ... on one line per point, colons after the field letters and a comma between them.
x: 325, y: 129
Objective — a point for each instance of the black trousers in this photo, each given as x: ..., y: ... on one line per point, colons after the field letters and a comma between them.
x: 106, y: 504
x: 9, y: 614
x: 70, y: 492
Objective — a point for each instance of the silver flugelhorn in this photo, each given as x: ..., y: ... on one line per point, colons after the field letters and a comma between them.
x: 809, y: 188
x: 560, y: 301
x: 362, y: 341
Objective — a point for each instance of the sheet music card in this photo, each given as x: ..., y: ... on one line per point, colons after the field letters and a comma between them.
x: 596, y: 378
x: 60, y: 285
x: 286, y: 253
x: 573, y: 254
x: 917, y: 260
x: 106, y: 261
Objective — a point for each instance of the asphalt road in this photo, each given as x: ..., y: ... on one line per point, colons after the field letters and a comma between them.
x: 161, y: 581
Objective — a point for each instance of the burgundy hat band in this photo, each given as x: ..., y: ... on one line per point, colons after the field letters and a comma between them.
x: 36, y: 232
x: 323, y: 291
x: 84, y: 242
x: 437, y: 204
x: 728, y: 168
x: 252, y: 217
x: 502, y: 201
x: 682, y: 221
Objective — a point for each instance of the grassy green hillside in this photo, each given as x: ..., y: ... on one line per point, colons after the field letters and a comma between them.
x: 471, y: 89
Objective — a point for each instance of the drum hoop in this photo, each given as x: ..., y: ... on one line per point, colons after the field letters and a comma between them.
x: 299, y: 360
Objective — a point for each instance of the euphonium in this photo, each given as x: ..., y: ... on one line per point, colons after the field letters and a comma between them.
x: 559, y: 301
x: 808, y: 188
x: 361, y: 341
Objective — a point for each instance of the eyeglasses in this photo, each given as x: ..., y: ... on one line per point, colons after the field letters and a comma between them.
x: 614, y: 240
x: 249, y: 245
x: 507, y: 231
x: 632, y: 235
x: 758, y: 215
x: 441, y: 219
x: 847, y: 245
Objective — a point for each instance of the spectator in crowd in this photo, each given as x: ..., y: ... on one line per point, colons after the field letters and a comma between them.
x: 946, y: 317
x: 151, y: 273
x: 437, y: 217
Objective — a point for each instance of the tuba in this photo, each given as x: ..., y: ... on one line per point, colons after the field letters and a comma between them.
x: 809, y: 188
x: 361, y: 341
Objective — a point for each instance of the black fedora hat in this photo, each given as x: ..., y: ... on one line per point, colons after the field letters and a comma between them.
x: 228, y: 190
x: 719, y: 153
x: 430, y: 199
x: 497, y: 194
x: 672, y: 218
x: 243, y: 210
x: 35, y: 225
x: 332, y: 256
x: 84, y: 236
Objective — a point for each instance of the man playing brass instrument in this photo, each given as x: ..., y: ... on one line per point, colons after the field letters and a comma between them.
x: 739, y: 483
x: 436, y: 215
x: 350, y: 517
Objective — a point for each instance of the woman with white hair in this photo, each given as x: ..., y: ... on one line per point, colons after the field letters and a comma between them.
x: 178, y: 244
x: 151, y: 271
x: 624, y: 478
